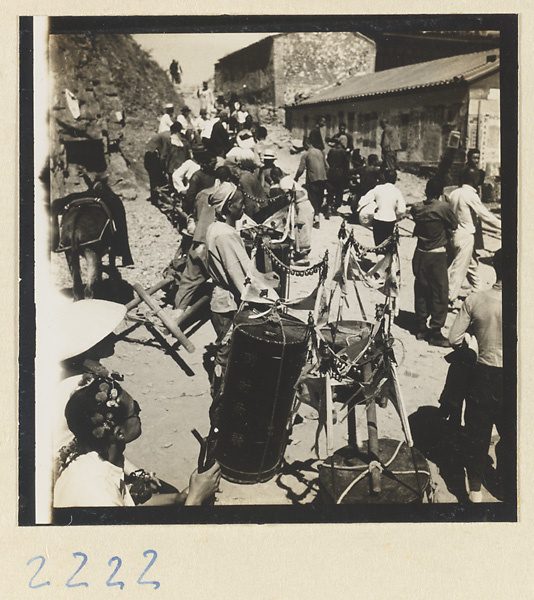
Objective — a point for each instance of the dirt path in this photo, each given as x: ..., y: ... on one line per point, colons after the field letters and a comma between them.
x: 174, y: 401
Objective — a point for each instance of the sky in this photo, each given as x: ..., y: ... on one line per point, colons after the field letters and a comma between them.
x: 196, y: 52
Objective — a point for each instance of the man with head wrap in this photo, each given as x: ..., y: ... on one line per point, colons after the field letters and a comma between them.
x: 229, y: 266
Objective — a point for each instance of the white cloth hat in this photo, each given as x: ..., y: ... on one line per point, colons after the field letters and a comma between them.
x: 169, y: 105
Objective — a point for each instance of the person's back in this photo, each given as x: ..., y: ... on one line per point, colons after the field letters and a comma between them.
x: 254, y: 193
x: 200, y: 180
x: 486, y: 404
x: 165, y: 123
x: 434, y: 220
x: 315, y: 165
x: 89, y: 480
x: 484, y: 311
x: 389, y: 201
x: 338, y: 159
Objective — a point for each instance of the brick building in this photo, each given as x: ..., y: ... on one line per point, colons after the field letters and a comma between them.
x: 279, y: 67
x: 440, y: 109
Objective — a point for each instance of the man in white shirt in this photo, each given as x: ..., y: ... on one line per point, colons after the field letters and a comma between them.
x: 390, y: 206
x: 166, y: 120
x: 467, y: 207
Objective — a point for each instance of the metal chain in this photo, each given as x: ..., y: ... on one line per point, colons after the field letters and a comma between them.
x: 390, y: 243
x: 321, y: 267
x: 261, y: 201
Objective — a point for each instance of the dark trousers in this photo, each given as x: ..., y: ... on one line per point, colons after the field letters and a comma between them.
x: 316, y: 194
x: 335, y: 189
x: 382, y: 230
x: 156, y: 175
x: 484, y: 408
x: 222, y: 323
x: 452, y: 397
x: 194, y: 275
x: 389, y: 160
x: 431, y: 289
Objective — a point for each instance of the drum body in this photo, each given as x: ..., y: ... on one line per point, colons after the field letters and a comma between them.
x: 266, y: 358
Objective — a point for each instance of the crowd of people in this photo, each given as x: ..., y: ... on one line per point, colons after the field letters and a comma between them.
x: 220, y: 168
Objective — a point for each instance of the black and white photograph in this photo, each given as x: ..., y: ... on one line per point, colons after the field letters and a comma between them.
x: 268, y: 269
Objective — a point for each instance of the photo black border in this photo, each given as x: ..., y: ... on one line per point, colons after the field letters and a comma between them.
x: 507, y: 24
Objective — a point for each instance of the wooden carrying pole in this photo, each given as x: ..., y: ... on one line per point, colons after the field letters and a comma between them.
x: 161, y: 284
x: 174, y: 329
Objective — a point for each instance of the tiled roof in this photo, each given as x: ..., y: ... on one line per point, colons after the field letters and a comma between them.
x: 444, y: 71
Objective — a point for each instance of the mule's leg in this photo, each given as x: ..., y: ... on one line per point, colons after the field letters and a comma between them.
x: 73, y: 260
x: 94, y: 272
x: 113, y: 272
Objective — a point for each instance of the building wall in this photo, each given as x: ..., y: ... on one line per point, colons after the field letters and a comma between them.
x: 431, y: 123
x: 484, y: 122
x: 306, y: 62
x: 275, y: 69
x: 248, y: 73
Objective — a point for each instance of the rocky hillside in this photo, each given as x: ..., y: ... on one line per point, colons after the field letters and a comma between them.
x: 107, y: 97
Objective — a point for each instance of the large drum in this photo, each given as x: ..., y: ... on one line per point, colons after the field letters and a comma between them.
x: 344, y: 478
x: 266, y: 358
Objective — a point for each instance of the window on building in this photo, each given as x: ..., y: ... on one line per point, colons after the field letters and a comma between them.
x: 340, y: 117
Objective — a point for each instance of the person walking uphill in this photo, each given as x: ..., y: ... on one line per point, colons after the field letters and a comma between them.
x: 486, y: 405
x: 434, y: 225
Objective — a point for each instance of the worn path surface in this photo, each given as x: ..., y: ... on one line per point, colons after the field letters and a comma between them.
x: 175, y: 397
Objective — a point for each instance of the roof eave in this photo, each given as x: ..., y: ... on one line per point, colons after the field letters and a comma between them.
x: 494, y: 67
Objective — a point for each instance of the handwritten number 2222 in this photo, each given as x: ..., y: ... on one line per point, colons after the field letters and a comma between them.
x: 109, y: 582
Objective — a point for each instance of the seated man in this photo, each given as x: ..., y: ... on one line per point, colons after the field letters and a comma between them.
x: 104, y: 418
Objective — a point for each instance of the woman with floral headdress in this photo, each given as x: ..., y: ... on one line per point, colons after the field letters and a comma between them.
x: 104, y: 418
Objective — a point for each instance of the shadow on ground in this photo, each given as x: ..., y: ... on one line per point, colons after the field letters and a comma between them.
x: 406, y: 320
x: 293, y: 476
x: 440, y: 444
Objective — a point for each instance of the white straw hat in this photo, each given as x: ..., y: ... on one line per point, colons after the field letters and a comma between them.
x: 80, y: 325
